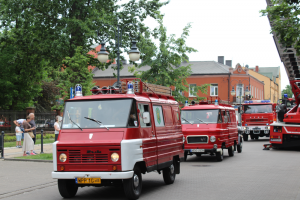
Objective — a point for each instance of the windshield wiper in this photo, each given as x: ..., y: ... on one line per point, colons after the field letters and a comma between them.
x: 186, y: 120
x: 72, y: 121
x: 98, y: 122
x: 202, y: 121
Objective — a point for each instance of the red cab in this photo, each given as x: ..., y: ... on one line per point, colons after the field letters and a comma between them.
x: 111, y: 139
x: 209, y: 129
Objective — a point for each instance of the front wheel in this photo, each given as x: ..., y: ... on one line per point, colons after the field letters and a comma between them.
x: 245, y: 137
x: 67, y: 187
x: 185, y: 155
x: 230, y: 151
x: 219, y: 156
x: 169, y: 174
x: 133, y: 186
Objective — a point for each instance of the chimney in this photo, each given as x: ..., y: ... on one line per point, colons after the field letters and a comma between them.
x: 221, y: 59
x: 256, y: 68
x: 229, y: 63
x: 124, y: 62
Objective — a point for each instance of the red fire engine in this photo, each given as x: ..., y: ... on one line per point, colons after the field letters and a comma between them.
x: 286, y: 132
x: 114, y: 137
x: 209, y: 129
x: 257, y: 117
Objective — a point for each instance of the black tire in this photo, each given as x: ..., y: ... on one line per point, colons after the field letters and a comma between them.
x: 240, y: 146
x: 220, y: 156
x: 169, y: 174
x: 256, y: 137
x: 133, y: 186
x: 230, y: 151
x: 198, y: 154
x: 67, y: 187
x: 185, y: 155
x: 252, y: 137
x: 245, y: 136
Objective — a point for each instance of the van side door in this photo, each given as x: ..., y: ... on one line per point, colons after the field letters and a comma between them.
x: 148, y: 136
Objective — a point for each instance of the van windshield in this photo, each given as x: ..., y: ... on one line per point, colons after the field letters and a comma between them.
x: 110, y: 113
x: 200, y: 116
x: 258, y: 108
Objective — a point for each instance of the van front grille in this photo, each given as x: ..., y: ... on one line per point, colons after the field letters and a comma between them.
x: 197, y: 139
x: 75, y: 156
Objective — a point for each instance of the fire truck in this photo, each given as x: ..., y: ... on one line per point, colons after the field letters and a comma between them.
x: 257, y: 117
x: 286, y: 131
x: 115, y: 136
x: 209, y: 129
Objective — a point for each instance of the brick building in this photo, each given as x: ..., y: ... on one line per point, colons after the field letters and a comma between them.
x: 222, y: 78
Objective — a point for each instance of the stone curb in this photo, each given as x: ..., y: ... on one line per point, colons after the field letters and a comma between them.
x: 27, y: 160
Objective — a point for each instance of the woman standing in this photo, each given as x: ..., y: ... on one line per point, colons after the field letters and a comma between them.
x: 28, y: 144
x: 56, y: 127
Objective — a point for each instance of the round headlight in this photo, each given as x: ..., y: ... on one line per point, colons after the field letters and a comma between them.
x: 62, y: 157
x: 114, y: 157
x: 212, y: 138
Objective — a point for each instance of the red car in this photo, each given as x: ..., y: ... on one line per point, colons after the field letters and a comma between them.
x: 112, y: 139
x: 209, y: 129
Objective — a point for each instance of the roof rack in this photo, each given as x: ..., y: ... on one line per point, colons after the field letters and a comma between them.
x: 134, y: 85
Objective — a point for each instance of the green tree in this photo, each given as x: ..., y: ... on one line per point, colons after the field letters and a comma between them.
x: 287, y: 90
x: 44, y: 33
x: 75, y: 73
x: 284, y: 15
x: 165, y: 61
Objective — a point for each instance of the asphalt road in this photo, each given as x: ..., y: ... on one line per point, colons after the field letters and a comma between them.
x: 252, y: 174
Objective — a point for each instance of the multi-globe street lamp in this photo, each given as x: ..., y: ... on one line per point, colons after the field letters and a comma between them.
x: 134, y: 54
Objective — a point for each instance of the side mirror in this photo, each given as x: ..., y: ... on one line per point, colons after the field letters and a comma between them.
x: 146, y: 117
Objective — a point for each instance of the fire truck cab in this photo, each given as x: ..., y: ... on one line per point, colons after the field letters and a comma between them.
x: 114, y: 137
x: 257, y: 117
x: 209, y: 129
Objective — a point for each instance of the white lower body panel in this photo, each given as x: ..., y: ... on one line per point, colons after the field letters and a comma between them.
x: 102, y: 175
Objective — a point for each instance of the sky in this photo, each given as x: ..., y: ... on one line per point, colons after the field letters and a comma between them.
x: 234, y: 29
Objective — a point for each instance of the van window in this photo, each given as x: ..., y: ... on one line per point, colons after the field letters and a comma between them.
x: 224, y: 116
x: 176, y: 115
x: 200, y: 116
x: 133, y: 121
x: 168, y: 115
x: 143, y: 108
x: 158, y: 116
x: 228, y: 116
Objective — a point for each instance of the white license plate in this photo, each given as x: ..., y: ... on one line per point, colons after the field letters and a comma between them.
x: 276, y: 140
x: 197, y: 150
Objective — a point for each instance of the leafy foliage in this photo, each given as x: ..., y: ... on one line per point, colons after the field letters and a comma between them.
x: 284, y: 15
x: 166, y: 62
x: 75, y: 72
x: 38, y: 36
x: 287, y: 90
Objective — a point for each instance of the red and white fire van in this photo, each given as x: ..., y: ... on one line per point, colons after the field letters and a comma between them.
x: 209, y: 129
x: 257, y: 117
x: 114, y: 137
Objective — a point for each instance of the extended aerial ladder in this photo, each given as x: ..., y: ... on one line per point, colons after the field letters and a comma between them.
x: 286, y: 131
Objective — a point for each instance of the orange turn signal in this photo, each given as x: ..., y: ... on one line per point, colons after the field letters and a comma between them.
x: 114, y: 168
x: 62, y: 168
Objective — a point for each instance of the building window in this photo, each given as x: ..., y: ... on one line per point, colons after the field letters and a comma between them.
x: 192, y: 92
x: 214, y: 90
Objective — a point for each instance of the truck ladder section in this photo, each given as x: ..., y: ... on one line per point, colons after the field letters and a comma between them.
x: 287, y: 132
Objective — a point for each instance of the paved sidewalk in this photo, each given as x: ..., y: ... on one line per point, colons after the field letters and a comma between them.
x: 11, y: 152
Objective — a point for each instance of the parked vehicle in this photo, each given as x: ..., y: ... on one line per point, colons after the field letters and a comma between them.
x: 41, y: 123
x: 2, y: 123
x: 50, y: 123
x: 112, y: 139
x: 209, y: 129
x: 257, y: 117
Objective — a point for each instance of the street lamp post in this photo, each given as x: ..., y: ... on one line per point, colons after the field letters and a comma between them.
x: 134, y: 54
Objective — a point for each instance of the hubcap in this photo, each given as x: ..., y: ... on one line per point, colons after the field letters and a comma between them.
x: 136, y: 181
x: 172, y: 169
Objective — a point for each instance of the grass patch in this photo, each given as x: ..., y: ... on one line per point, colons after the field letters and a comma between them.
x: 38, y: 141
x: 44, y: 156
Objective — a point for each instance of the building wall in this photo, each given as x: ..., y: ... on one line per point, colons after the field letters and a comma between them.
x: 272, y: 91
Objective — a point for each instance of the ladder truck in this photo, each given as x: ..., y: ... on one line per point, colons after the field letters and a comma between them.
x: 285, y: 132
